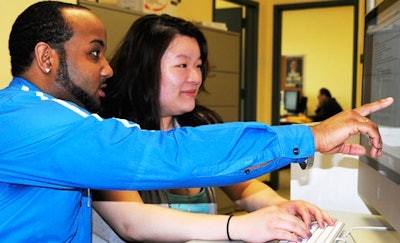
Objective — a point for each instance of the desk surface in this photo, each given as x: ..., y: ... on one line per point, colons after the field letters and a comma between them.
x: 294, y: 120
x: 352, y: 222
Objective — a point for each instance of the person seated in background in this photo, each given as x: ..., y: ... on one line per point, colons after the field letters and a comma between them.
x: 327, y: 106
x: 159, y: 69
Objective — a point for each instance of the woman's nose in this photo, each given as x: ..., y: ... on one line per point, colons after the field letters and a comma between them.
x: 195, y: 76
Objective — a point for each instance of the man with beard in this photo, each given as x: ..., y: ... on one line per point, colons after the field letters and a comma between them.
x: 54, y: 149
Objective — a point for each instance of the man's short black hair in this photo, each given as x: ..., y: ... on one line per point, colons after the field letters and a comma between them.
x: 42, y: 21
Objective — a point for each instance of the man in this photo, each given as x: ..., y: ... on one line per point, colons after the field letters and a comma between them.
x: 327, y: 106
x: 53, y: 150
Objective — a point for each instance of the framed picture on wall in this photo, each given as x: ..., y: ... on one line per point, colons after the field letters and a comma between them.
x: 292, y: 72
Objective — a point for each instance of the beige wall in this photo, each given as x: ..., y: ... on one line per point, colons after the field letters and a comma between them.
x: 191, y: 10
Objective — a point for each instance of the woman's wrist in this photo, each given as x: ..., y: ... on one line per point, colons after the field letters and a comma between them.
x: 227, y: 227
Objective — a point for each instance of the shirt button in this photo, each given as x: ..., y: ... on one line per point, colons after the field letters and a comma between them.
x: 296, y: 151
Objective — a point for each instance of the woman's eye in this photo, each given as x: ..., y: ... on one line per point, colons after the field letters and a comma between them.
x: 181, y: 65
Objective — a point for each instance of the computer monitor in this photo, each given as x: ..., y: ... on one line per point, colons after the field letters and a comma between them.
x: 379, y: 179
x: 291, y: 100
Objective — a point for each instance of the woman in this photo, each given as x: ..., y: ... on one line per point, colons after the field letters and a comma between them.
x: 159, y: 69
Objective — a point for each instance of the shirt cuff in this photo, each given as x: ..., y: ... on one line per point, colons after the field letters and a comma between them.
x: 295, y: 141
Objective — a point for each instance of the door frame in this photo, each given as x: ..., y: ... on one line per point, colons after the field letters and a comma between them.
x: 248, y: 80
x: 277, y: 47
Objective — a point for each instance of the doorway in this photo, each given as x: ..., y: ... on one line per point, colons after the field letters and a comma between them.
x: 242, y: 16
x: 280, y: 11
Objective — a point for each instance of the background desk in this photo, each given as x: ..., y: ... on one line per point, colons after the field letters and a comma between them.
x: 285, y: 120
x: 353, y: 220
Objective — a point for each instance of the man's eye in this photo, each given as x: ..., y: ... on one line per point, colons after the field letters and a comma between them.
x: 182, y: 65
x: 95, y: 53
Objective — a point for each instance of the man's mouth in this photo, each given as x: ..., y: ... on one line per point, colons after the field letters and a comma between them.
x: 101, y: 90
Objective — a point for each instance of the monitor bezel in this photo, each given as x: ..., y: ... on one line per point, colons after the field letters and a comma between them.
x: 374, y: 178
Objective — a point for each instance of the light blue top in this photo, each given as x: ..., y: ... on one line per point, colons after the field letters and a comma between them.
x: 203, y: 202
x: 53, y: 151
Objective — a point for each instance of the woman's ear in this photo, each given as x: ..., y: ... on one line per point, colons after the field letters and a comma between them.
x: 43, y: 57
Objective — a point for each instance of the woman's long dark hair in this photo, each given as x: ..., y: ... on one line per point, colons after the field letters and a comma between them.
x: 133, y: 92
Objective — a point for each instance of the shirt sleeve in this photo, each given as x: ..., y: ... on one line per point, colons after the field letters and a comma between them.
x: 107, y: 155
x: 75, y: 149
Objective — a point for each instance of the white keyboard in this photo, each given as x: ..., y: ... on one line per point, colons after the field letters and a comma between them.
x: 323, y: 235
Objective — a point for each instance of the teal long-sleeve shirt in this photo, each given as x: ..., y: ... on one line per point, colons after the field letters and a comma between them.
x: 52, y: 152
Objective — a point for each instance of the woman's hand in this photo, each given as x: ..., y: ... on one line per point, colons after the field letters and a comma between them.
x: 288, y: 221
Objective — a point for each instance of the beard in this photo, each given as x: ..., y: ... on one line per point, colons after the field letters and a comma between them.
x: 77, y: 92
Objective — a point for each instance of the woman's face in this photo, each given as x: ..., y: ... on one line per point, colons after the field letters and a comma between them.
x: 180, y: 76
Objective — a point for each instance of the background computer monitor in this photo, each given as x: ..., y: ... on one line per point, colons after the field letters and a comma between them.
x: 291, y: 100
x: 379, y: 179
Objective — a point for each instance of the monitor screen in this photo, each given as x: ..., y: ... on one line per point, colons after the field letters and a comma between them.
x: 379, y: 179
x: 291, y: 100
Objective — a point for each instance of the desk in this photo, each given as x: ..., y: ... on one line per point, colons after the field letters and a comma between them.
x: 352, y: 220
x: 364, y: 220
x: 294, y: 120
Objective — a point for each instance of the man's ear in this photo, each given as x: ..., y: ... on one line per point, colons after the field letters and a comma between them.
x: 44, y: 56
